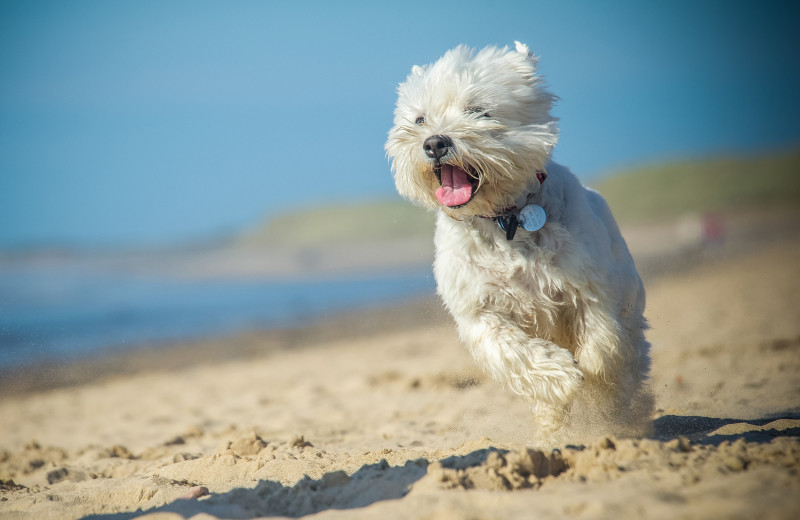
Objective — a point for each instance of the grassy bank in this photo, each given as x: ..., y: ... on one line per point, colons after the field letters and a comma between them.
x: 648, y: 194
x: 726, y: 184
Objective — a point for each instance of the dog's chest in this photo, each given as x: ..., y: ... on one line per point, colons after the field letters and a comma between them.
x: 521, y: 279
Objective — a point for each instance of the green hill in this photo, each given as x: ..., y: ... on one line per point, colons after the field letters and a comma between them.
x: 647, y: 194
x: 725, y: 184
x: 346, y: 223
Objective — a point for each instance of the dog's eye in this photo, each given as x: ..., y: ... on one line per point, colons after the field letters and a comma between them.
x: 419, y: 120
x: 479, y: 111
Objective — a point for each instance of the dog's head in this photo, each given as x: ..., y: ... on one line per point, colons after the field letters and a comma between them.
x: 471, y: 130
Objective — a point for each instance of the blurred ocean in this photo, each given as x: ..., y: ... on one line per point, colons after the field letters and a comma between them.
x: 62, y: 311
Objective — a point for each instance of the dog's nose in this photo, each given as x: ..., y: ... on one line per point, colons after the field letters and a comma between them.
x: 437, y: 146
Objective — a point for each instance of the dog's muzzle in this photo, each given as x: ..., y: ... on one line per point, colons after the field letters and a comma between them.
x: 456, y: 185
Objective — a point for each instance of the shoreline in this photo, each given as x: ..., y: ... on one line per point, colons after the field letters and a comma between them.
x: 42, y: 375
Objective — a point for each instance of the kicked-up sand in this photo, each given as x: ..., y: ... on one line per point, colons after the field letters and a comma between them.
x: 384, y: 415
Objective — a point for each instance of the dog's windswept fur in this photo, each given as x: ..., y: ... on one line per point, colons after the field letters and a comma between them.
x: 556, y: 313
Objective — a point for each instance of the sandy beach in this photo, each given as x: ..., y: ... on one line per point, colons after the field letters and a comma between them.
x: 384, y: 415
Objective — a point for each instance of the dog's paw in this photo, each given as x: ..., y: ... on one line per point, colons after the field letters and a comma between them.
x: 548, y: 419
x: 563, y: 377
x: 546, y: 373
x: 560, y: 380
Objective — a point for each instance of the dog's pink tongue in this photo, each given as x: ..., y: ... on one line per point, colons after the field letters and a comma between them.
x: 456, y: 189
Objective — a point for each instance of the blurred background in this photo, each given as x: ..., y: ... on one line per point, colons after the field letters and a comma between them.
x: 175, y: 170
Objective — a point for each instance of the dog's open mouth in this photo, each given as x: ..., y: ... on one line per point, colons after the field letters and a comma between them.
x: 457, y: 186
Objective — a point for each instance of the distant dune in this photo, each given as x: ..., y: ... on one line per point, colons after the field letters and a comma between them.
x: 663, y: 210
x: 667, y: 191
x: 649, y: 194
x: 349, y: 223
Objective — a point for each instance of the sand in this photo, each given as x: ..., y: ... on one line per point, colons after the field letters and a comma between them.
x: 386, y: 416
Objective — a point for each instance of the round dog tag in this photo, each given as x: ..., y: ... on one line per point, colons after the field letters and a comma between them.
x: 532, y: 217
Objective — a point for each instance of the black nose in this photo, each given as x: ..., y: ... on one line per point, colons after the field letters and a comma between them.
x: 437, y: 146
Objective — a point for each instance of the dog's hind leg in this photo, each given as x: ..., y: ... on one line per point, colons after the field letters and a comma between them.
x: 613, y: 356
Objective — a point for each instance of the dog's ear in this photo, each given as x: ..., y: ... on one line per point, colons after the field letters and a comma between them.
x: 523, y: 49
x: 527, y: 54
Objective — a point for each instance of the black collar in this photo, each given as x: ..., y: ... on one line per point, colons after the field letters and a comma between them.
x: 508, y: 219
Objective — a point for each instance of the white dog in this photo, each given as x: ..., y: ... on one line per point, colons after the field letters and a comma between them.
x: 530, y: 263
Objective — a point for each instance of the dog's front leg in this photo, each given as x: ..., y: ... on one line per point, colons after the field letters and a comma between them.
x: 532, y: 367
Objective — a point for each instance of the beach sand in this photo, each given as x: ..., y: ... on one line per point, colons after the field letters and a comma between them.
x: 384, y: 415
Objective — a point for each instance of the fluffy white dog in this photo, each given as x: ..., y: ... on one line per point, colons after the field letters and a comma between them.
x: 530, y: 263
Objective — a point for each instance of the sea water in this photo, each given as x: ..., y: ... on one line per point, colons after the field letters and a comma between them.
x: 59, y: 313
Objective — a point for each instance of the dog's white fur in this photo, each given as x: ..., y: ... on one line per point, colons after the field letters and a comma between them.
x: 554, y: 314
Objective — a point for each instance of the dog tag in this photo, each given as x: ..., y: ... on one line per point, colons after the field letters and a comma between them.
x: 532, y: 217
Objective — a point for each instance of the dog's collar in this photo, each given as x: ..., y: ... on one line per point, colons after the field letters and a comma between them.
x: 508, y: 219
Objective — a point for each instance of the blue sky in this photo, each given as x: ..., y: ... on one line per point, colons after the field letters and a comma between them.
x: 156, y: 122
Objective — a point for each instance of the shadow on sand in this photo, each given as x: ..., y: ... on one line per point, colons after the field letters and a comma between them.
x: 380, y: 481
x: 698, y: 429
